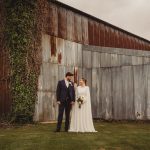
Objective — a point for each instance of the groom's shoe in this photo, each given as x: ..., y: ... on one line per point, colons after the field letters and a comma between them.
x: 57, y: 130
x: 66, y: 130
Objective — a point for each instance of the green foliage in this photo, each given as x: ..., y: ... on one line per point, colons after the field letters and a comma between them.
x: 20, y: 36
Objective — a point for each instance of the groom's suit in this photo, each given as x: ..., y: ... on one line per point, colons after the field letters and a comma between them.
x: 65, y: 95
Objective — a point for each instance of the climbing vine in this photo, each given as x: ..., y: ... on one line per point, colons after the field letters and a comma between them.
x: 20, y: 41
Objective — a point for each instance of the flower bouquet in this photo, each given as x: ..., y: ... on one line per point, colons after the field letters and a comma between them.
x: 80, y: 100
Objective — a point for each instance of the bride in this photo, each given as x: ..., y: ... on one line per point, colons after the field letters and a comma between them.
x: 81, y: 117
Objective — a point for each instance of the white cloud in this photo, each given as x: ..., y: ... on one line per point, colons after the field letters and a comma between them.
x: 131, y: 15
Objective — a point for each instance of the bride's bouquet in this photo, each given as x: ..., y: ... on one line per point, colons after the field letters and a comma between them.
x: 80, y: 100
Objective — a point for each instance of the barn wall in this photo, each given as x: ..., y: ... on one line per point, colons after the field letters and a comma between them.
x: 70, y: 24
x: 120, y: 83
x: 118, y: 78
x: 54, y: 67
x: 5, y: 99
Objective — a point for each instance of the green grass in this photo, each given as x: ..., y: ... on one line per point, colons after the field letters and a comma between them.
x: 110, y: 136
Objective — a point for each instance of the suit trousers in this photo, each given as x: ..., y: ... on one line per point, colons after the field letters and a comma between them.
x: 65, y: 105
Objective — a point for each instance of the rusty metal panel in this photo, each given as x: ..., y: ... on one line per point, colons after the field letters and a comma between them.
x: 106, y: 36
x: 121, y: 39
x: 85, y: 38
x: 111, y: 38
x: 116, y: 39
x: 102, y: 34
x: 62, y: 23
x: 78, y: 28
x: 60, y: 46
x: 70, y: 25
x: 96, y: 33
x: 53, y: 20
x: 91, y: 31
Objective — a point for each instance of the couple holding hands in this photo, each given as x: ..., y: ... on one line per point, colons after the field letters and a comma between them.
x: 75, y: 101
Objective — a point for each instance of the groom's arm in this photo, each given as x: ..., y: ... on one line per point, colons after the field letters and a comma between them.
x: 73, y: 94
x: 58, y: 91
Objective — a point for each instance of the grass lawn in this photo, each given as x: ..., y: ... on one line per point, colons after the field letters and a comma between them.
x: 110, y: 136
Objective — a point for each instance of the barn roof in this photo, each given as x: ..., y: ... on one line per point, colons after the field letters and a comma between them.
x: 96, y: 19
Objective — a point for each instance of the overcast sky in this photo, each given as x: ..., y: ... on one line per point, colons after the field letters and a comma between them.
x: 131, y: 15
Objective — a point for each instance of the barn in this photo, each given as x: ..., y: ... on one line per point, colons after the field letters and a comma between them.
x: 115, y: 62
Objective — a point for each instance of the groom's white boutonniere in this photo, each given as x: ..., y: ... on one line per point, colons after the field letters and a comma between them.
x: 80, y: 100
x: 70, y: 84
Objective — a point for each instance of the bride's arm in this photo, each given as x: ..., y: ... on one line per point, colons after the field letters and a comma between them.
x: 88, y: 94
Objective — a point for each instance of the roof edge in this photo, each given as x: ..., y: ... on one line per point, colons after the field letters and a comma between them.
x: 96, y: 19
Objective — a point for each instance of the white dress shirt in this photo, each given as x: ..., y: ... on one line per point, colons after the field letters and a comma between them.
x: 67, y: 83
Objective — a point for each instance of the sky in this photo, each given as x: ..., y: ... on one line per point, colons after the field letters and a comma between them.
x: 130, y: 15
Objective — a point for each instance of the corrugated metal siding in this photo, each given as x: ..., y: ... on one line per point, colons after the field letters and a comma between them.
x: 69, y: 24
x: 119, y: 79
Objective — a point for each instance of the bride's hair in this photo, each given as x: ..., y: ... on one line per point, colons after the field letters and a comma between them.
x: 84, y: 80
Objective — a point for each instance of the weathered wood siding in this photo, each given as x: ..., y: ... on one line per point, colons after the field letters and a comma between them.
x: 120, y: 83
x: 118, y: 79
x: 53, y: 68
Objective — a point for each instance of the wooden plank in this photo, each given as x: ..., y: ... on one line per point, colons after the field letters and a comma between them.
x: 115, y: 60
x: 60, y: 46
x: 96, y: 59
x: 70, y: 25
x: 87, y: 59
x: 62, y: 23
x: 85, y: 38
x: 106, y: 94
x: 96, y: 33
x: 126, y: 60
x: 95, y: 92
x: 87, y: 74
x: 105, y: 59
x: 71, y: 52
x: 117, y: 93
x: 148, y: 94
x: 61, y: 72
x: 77, y: 28
x: 146, y: 60
x: 46, y: 48
x: 128, y: 93
x: 139, y: 92
x: 137, y: 60
x: 91, y: 31
x: 80, y: 55
x: 53, y: 20
x: 46, y: 108
x: 49, y: 78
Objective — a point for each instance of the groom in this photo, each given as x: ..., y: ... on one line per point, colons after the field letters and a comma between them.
x: 65, y: 94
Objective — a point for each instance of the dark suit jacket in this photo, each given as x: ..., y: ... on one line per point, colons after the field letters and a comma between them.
x: 61, y: 92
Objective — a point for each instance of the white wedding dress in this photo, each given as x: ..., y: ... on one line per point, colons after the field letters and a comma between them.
x: 81, y: 118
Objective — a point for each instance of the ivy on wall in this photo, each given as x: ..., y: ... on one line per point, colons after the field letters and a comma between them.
x: 20, y: 40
